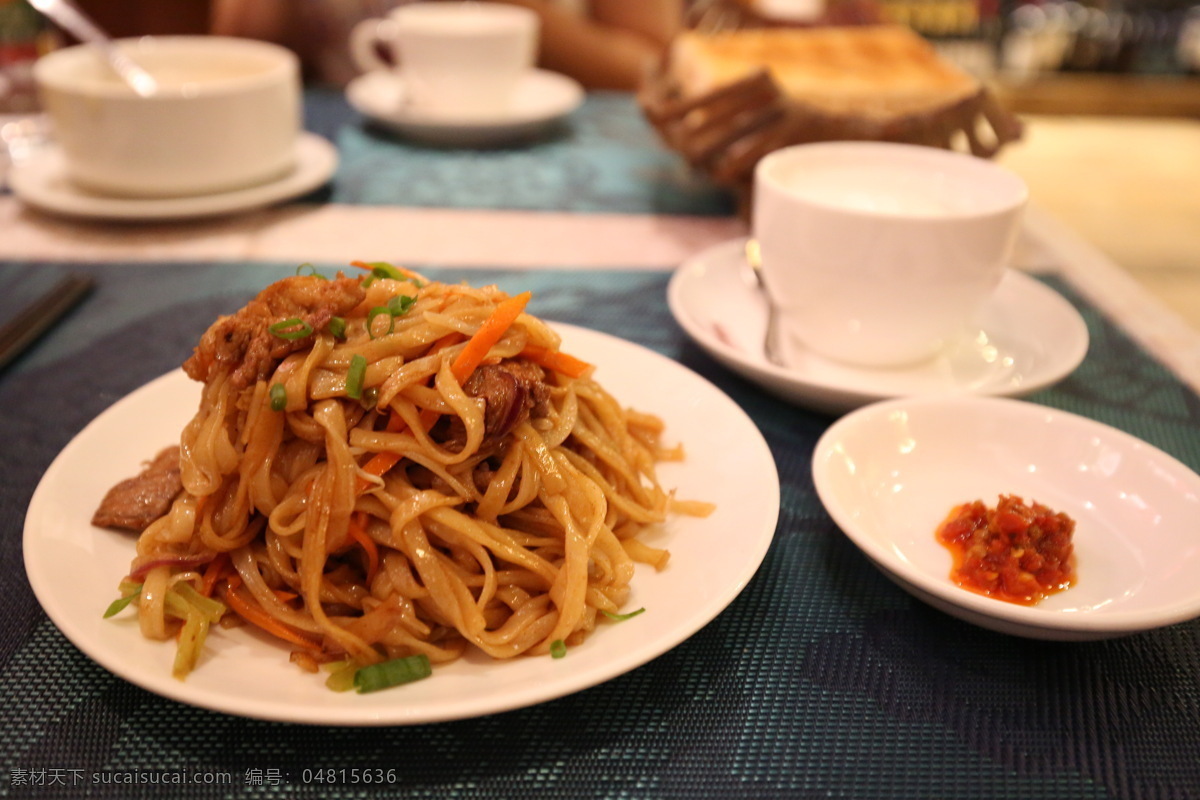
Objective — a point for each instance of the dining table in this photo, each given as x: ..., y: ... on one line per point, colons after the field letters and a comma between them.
x: 821, y: 677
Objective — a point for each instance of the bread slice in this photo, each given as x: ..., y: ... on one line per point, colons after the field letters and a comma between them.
x: 874, y: 72
x: 725, y: 99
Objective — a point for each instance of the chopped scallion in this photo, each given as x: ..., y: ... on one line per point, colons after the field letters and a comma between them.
x: 118, y: 605
x: 382, y: 269
x: 279, y: 398
x: 309, y: 271
x: 621, y: 617
x: 399, y: 305
x: 337, y: 326
x: 558, y: 648
x: 355, y: 375
x: 392, y: 673
x: 341, y: 678
x: 378, y: 311
x: 291, y: 329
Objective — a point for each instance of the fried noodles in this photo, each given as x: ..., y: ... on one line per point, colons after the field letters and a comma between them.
x: 388, y: 468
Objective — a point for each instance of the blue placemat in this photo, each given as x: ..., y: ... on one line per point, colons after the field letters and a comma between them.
x: 603, y: 158
x: 821, y: 680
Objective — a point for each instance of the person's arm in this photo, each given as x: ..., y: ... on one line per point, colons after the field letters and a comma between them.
x: 604, y: 54
x: 657, y: 21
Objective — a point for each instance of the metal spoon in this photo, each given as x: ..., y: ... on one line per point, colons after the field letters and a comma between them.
x: 72, y: 19
x: 770, y: 343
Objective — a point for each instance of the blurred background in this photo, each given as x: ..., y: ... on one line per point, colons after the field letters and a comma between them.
x: 1136, y: 57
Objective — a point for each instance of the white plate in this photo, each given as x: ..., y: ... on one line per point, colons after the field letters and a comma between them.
x: 74, y: 567
x: 889, y: 474
x: 1028, y: 337
x: 41, y: 181
x: 541, y: 97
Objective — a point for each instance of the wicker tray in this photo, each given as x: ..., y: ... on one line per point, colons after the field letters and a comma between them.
x: 726, y: 131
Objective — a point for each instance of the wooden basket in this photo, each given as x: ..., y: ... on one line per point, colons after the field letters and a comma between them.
x: 726, y: 131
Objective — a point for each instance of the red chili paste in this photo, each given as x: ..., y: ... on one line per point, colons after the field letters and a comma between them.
x: 1014, y: 552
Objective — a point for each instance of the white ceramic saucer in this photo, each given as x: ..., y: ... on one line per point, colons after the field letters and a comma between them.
x: 41, y: 181
x: 889, y: 473
x: 541, y: 97
x: 1027, y: 338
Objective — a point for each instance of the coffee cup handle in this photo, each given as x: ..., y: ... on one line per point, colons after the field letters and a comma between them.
x: 366, y: 39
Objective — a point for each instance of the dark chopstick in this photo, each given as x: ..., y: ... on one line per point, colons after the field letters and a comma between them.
x: 36, y: 318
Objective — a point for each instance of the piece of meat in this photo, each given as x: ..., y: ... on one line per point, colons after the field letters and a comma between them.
x: 512, y: 391
x: 136, y: 502
x: 243, y: 342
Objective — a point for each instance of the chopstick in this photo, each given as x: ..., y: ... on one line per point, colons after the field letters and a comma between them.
x: 36, y: 318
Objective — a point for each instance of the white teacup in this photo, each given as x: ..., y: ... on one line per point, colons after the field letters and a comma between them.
x: 460, y: 60
x: 880, y: 254
x: 226, y: 115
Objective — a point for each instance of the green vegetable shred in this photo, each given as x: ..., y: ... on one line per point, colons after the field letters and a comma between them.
x: 291, y: 329
x: 355, y: 375
x: 278, y: 395
x: 622, y: 617
x: 392, y: 673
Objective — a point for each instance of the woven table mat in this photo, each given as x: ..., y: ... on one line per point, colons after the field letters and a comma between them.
x: 603, y: 158
x: 822, y: 679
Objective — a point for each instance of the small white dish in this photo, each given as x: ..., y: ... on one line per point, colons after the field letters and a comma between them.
x: 74, y: 567
x: 1028, y: 337
x: 41, y: 181
x: 542, y: 97
x: 889, y: 473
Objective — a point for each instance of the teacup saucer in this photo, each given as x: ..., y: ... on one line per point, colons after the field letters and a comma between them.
x: 41, y: 181
x: 1027, y: 338
x: 540, y: 98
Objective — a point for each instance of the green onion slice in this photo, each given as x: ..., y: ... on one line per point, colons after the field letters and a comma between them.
x: 118, y: 605
x: 375, y: 312
x: 355, y: 375
x: 341, y: 677
x: 392, y: 673
x: 558, y: 648
x: 309, y: 271
x: 382, y: 269
x: 337, y: 326
x: 291, y: 329
x: 278, y: 396
x: 622, y: 617
x: 399, y: 305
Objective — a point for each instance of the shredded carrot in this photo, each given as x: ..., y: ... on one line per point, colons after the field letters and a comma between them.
x: 470, y: 357
x: 216, y: 569
x: 380, y: 463
x: 284, y: 595
x: 494, y: 327
x: 254, y: 614
x: 408, y: 273
x: 557, y: 360
x: 358, y: 532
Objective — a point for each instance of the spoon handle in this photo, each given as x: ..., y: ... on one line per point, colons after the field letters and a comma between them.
x: 72, y: 19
